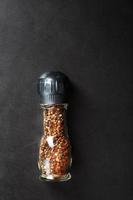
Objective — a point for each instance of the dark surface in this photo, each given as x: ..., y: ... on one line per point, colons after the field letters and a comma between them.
x: 89, y: 41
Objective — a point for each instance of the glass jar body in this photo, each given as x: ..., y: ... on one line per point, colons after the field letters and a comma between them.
x: 55, y: 149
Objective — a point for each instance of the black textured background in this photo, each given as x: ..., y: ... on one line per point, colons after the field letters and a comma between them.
x: 90, y: 41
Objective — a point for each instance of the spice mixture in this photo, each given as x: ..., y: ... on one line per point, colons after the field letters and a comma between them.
x: 54, y: 152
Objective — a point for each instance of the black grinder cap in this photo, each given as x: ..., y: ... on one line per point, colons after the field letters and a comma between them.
x: 53, y: 88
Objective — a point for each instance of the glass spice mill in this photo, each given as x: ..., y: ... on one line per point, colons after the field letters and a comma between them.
x: 55, y: 150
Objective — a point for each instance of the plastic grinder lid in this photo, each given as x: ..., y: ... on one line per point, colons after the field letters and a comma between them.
x: 53, y: 88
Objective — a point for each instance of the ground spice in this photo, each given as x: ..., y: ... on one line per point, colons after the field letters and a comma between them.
x: 54, y: 151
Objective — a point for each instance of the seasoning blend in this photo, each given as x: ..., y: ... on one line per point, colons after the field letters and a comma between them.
x: 55, y: 149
